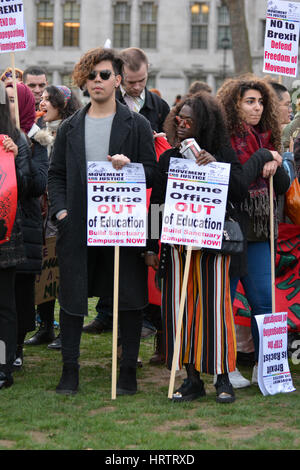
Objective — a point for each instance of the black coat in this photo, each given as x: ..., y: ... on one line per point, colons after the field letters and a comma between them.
x: 251, y: 170
x: 67, y: 185
x: 32, y: 221
x: 155, y: 109
x: 12, y: 252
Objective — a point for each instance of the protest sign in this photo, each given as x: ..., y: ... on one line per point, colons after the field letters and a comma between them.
x: 8, y: 192
x: 273, y: 368
x: 195, y: 203
x: 282, y: 38
x: 116, y: 205
x: 116, y: 217
x: 13, y: 35
x: 47, y: 283
x: 193, y: 216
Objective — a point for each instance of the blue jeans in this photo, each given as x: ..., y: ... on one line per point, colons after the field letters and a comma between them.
x: 257, y: 285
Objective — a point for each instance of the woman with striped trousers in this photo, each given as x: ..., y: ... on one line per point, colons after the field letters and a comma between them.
x: 208, y: 342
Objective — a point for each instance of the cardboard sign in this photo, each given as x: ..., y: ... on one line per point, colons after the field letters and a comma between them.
x: 47, y: 283
x: 117, y: 212
x: 273, y: 368
x: 13, y: 35
x: 282, y: 38
x: 195, y: 203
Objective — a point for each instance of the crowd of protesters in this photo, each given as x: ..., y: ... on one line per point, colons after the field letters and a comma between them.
x: 52, y: 137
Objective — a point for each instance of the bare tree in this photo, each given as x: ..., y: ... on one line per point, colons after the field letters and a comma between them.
x: 240, y: 40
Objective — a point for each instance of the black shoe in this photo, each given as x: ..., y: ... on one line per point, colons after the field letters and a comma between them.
x: 147, y: 331
x: 44, y: 335
x: 69, y: 382
x: 189, y: 391
x: 94, y: 327
x: 56, y: 344
x: 18, y: 362
x: 5, y: 381
x: 225, y: 392
x: 127, y: 383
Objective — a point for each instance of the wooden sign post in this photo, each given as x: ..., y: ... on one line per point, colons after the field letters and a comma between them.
x: 179, y: 321
x: 115, y: 324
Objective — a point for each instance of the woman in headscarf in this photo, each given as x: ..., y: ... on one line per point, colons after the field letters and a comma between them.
x: 32, y: 222
x: 12, y: 251
x: 57, y: 103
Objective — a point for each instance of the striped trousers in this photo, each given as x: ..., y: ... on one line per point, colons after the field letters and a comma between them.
x: 208, y: 331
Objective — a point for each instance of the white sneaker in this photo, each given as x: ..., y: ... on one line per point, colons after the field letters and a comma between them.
x: 254, y: 375
x: 236, y: 379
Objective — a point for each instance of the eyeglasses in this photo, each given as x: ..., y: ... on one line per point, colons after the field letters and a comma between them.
x: 185, y: 122
x: 104, y: 74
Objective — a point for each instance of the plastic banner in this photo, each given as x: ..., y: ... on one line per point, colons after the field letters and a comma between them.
x: 8, y: 192
x: 273, y: 368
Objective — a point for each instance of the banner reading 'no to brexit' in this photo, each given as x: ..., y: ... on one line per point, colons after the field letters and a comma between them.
x: 282, y: 38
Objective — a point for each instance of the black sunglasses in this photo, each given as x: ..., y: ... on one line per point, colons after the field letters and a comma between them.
x: 104, y: 74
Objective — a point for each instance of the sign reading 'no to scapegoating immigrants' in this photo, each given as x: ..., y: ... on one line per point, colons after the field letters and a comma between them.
x: 12, y: 26
x: 195, y: 203
x: 116, y: 205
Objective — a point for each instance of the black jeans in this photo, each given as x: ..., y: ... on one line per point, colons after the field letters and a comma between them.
x: 130, y: 323
x: 46, y: 313
x: 8, y: 319
x: 70, y: 333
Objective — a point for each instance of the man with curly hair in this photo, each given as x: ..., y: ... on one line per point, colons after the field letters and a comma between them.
x: 103, y: 130
x: 134, y: 93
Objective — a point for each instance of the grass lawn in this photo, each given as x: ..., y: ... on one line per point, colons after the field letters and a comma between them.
x: 34, y: 417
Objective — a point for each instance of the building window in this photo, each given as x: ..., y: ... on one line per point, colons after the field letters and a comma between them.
x: 199, y: 25
x: 224, y: 32
x: 45, y: 23
x: 71, y: 15
x: 66, y: 79
x: 121, y: 36
x: 148, y: 25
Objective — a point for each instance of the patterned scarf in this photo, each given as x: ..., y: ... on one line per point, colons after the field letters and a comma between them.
x: 257, y: 205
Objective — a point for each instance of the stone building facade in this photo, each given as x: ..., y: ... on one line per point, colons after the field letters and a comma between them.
x: 184, y: 40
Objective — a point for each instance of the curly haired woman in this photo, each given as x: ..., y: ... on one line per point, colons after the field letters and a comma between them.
x: 250, y: 107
